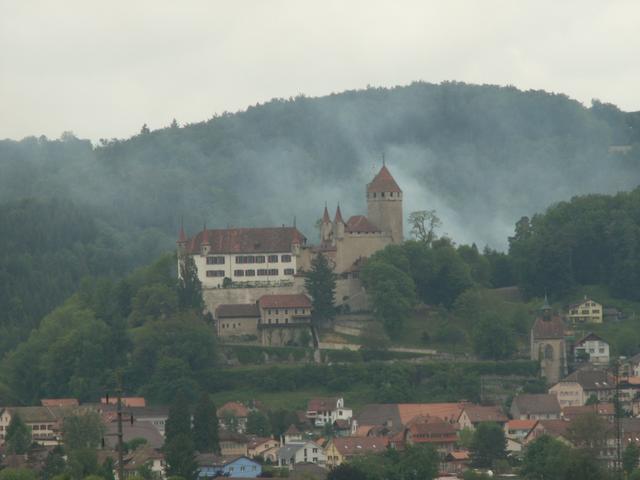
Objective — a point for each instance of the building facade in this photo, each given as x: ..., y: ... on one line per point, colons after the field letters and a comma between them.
x: 587, y: 311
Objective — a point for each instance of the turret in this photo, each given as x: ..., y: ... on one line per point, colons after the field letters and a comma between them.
x: 326, y: 229
x: 384, y: 204
x: 338, y: 225
x: 182, y: 240
x: 205, y: 246
x: 546, y: 309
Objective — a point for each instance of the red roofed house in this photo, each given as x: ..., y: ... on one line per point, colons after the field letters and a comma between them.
x: 233, y: 416
x: 431, y: 430
x: 473, y: 415
x: 284, y: 319
x: 323, y: 411
x: 341, y: 449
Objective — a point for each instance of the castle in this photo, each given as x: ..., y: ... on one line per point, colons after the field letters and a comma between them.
x: 237, y: 266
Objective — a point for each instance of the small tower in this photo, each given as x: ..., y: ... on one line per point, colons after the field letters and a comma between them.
x: 338, y: 225
x: 205, y: 246
x: 384, y: 204
x: 548, y: 345
x: 326, y: 229
x: 182, y: 240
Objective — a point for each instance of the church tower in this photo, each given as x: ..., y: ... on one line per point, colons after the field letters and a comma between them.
x: 384, y: 204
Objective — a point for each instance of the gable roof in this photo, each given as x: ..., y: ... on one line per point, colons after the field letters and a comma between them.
x: 322, y: 404
x: 449, y: 412
x: 521, y: 424
x: 480, y: 413
x: 537, y: 403
x: 247, y: 240
x: 349, y: 446
x: 297, y: 300
x: 383, y: 182
x: 237, y: 310
x: 360, y: 224
x: 590, y: 336
x: 292, y: 430
x: 605, y: 409
x: 590, y: 379
x: 555, y: 428
x: 59, y: 402
x: 235, y: 408
x: 550, y: 329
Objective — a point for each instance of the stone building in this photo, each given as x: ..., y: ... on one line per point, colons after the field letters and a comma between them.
x: 548, y: 344
x: 240, y: 265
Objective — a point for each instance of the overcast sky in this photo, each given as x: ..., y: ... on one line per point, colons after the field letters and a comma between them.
x: 102, y: 69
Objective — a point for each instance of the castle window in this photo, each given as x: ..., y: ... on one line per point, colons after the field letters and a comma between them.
x: 382, y: 194
x: 249, y: 273
x: 374, y: 194
x: 215, y: 273
x: 285, y: 258
x: 289, y: 271
x: 273, y: 271
x: 238, y: 273
x: 548, y: 352
x: 240, y: 259
x: 260, y: 259
x: 262, y: 272
x: 273, y: 258
x: 215, y: 260
x: 250, y: 259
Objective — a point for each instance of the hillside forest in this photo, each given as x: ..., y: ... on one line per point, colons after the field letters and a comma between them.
x: 527, y: 186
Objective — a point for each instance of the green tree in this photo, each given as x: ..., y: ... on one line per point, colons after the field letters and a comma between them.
x: 424, y: 224
x: 320, y: 283
x: 205, y: 425
x: 392, y: 292
x: 588, y: 432
x: 489, y: 444
x: 347, y: 471
x: 258, y: 424
x: 179, y: 419
x: 189, y: 285
x: 54, y: 463
x: 83, y: 430
x: 17, y: 474
x: 180, y: 457
x: 493, y: 339
x: 18, y: 435
x: 82, y: 462
x: 545, y: 459
x: 630, y: 458
x: 418, y: 463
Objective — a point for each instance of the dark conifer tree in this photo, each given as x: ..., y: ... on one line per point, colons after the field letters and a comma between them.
x: 179, y: 420
x: 205, y: 425
x: 321, y: 285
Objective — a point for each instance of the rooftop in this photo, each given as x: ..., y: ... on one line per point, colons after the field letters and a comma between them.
x: 237, y: 310
x: 537, y: 403
x: 247, y: 240
x: 383, y: 182
x: 298, y: 300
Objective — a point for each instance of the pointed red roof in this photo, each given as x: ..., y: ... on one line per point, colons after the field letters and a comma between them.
x: 205, y: 237
x: 338, y: 217
x: 325, y: 217
x: 383, y: 182
x: 182, y: 238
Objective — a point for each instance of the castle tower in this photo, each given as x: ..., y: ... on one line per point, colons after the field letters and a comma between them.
x: 326, y: 228
x: 338, y: 225
x: 384, y: 204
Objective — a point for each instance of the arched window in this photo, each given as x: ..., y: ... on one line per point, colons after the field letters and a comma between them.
x: 548, y: 352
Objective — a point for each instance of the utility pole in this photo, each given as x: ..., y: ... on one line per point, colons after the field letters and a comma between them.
x: 119, y: 432
x: 618, y: 420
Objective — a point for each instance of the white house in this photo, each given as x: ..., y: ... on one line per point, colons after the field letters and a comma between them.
x: 302, y: 452
x: 593, y: 349
x: 322, y: 411
x: 244, y: 256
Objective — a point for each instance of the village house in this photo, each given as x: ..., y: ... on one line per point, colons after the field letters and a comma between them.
x: 284, y: 319
x: 302, y: 452
x: 45, y: 423
x: 456, y: 463
x: 323, y: 411
x: 59, y: 402
x: 587, y: 311
x: 213, y: 466
x: 233, y: 416
x: 233, y: 444
x: 604, y: 410
x: 535, y: 406
x: 518, y: 429
x: 554, y: 428
x: 141, y: 457
x: 472, y: 415
x: 257, y: 446
x: 342, y: 449
x: 292, y: 435
x: 593, y: 349
x: 430, y: 431
x: 154, y: 415
x: 577, y: 388
x: 139, y: 429
x: 237, y: 320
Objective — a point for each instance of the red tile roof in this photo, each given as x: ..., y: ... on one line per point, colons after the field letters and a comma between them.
x: 479, y: 413
x: 338, y: 217
x: 360, y: 224
x: 247, y: 240
x: 237, y: 310
x: 235, y: 408
x: 322, y: 404
x: 126, y: 401
x: 448, y: 412
x: 349, y: 446
x: 521, y: 424
x: 383, y: 182
x: 298, y: 300
x: 59, y: 402
x: 552, y: 328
